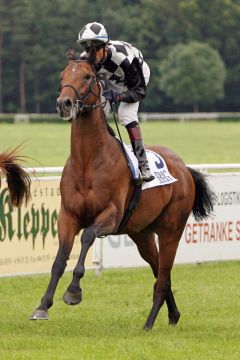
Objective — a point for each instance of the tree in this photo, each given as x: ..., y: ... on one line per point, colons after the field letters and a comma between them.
x: 4, y: 30
x: 216, y: 22
x: 34, y: 36
x: 193, y: 74
x: 20, y: 37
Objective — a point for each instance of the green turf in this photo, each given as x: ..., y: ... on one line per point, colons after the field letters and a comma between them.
x: 196, y: 142
x: 108, y: 323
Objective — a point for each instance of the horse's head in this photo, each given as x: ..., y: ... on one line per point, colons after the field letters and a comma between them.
x: 79, y: 90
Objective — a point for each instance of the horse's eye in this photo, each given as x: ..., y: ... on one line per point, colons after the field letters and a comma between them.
x: 88, y: 76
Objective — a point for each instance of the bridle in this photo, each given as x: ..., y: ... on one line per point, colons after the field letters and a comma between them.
x: 80, y: 106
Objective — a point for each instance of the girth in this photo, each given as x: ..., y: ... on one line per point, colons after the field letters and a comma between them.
x: 132, y: 205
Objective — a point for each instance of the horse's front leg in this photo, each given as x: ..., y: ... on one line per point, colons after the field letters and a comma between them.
x: 103, y: 224
x: 67, y: 229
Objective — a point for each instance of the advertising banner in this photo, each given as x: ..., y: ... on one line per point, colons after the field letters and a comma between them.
x: 29, y: 241
x: 28, y: 235
x: 217, y: 238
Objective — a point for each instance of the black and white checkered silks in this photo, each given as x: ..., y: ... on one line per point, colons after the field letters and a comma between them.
x: 119, y: 58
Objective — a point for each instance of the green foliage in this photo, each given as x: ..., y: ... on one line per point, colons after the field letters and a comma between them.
x: 34, y: 37
x: 217, y: 23
x: 193, y: 74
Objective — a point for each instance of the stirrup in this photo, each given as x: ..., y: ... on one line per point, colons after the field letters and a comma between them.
x: 149, y: 178
x: 146, y: 175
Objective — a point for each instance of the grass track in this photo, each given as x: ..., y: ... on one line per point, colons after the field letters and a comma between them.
x: 108, y: 324
x: 195, y: 142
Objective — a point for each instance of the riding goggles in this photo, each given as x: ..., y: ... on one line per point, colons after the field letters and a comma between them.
x: 87, y: 46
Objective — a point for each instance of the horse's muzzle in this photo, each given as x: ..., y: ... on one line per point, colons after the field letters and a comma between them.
x: 64, y: 106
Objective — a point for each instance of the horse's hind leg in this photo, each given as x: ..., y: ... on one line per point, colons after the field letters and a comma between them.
x: 173, y: 312
x: 145, y: 241
x: 169, y: 229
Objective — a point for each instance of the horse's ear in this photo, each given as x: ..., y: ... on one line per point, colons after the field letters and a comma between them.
x: 71, y: 55
x: 92, y: 55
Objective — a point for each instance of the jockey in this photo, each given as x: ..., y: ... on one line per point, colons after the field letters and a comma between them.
x: 126, y: 75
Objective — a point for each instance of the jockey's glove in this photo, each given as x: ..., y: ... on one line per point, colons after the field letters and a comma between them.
x: 112, y: 96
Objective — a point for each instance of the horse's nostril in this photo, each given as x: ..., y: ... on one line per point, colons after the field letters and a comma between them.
x: 67, y: 103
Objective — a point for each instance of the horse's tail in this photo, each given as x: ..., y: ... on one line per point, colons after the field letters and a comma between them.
x: 204, y: 196
x: 18, y: 181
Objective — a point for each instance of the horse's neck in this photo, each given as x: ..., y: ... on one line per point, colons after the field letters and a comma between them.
x: 89, y: 137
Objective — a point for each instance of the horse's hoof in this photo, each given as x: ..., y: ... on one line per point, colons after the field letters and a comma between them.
x: 173, y: 318
x: 39, y: 315
x: 72, y: 298
x: 147, y: 327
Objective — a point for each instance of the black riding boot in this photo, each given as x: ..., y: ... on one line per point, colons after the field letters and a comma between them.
x: 135, y: 135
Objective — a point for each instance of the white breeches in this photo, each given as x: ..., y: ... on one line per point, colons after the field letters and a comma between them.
x: 128, y: 112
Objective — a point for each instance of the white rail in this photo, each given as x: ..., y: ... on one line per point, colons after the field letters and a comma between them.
x: 203, y: 167
x: 215, y: 166
x: 182, y: 117
x: 45, y: 170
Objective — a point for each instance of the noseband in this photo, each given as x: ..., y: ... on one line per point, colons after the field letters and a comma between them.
x: 80, y: 106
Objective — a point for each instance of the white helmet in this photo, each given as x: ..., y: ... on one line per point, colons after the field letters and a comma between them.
x: 93, y: 32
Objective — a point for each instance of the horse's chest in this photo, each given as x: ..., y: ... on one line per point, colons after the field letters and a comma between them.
x: 84, y: 203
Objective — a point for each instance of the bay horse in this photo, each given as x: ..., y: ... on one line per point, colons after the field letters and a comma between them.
x: 96, y: 187
x: 18, y: 180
